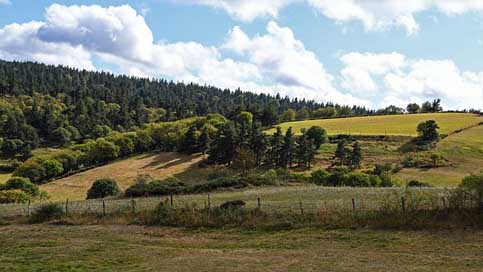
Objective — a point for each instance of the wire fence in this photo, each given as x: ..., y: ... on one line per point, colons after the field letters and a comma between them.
x: 306, y: 200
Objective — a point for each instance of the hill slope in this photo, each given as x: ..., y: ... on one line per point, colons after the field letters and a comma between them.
x: 403, y: 125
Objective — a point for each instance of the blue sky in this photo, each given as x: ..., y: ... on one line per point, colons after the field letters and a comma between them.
x: 347, y: 51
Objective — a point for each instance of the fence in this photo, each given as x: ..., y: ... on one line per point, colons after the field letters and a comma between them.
x: 302, y: 201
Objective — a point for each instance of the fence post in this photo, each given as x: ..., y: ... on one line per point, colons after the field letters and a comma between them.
x: 28, y: 209
x: 258, y: 203
x: 353, y: 205
x: 403, y: 204
x: 444, y: 202
x: 133, y: 204
x: 209, y: 202
x: 66, y: 206
x: 171, y: 199
x: 104, y: 207
x: 301, y: 208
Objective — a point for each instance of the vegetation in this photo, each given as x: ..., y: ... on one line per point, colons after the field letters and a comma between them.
x: 18, y: 190
x: 103, y: 188
x: 46, y: 213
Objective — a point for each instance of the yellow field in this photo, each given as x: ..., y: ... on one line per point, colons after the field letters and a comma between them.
x: 4, y: 177
x: 464, y: 153
x: 402, y: 125
x: 158, y: 166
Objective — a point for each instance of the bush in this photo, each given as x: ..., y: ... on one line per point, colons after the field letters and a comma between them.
x: 32, y: 170
x: 417, y: 183
x: 23, y: 184
x: 357, y: 180
x: 103, y: 188
x: 46, y: 213
x: 13, y: 196
x: 139, y: 187
x: 320, y: 177
x: 471, y: 188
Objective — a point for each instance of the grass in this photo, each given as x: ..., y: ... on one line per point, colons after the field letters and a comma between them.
x: 124, y: 171
x: 135, y: 248
x: 402, y: 125
x: 464, y: 154
x: 4, y: 177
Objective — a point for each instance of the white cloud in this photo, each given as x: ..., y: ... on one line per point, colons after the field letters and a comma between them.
x: 245, y: 10
x: 394, y: 79
x: 374, y: 14
x: 5, y: 2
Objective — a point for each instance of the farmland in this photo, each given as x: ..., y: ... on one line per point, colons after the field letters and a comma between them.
x: 403, y: 125
x: 135, y: 248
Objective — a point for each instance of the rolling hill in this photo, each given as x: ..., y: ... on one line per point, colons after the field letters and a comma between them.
x: 401, y: 125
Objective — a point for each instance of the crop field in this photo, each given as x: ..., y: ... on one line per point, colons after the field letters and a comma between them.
x: 403, y: 125
x: 159, y: 166
x: 136, y: 248
x: 464, y: 153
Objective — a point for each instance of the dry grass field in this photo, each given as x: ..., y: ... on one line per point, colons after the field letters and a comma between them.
x: 124, y: 171
x: 404, y: 125
x: 136, y: 248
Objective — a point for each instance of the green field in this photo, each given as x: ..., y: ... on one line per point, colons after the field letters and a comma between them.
x: 136, y: 248
x: 403, y: 125
x: 464, y: 154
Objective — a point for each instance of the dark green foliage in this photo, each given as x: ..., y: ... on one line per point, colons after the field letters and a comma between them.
x: 223, y: 148
x: 46, y: 213
x: 417, y: 183
x: 471, y: 189
x: 23, y: 184
x: 190, y: 142
x: 320, y: 177
x: 318, y: 136
x: 434, y: 106
x: 428, y: 130
x: 204, y: 142
x: 413, y: 108
x: 288, y: 151
x: 355, y: 158
x: 342, y: 176
x: 13, y: 196
x: 102, y: 188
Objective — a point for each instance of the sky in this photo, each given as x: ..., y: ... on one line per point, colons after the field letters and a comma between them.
x: 374, y: 53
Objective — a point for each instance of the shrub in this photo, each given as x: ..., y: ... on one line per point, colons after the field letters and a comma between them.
x: 320, y: 177
x: 46, y: 213
x: 52, y: 167
x: 233, y: 204
x: 32, y: 170
x: 472, y: 189
x: 357, y: 180
x: 13, y: 196
x: 139, y: 187
x: 386, y: 180
x: 23, y: 184
x: 103, y: 188
x: 166, y: 187
x: 417, y: 183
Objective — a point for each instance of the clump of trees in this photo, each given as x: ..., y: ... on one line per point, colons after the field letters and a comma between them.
x: 102, y: 188
x: 19, y: 190
x: 426, y: 107
x: 348, y: 156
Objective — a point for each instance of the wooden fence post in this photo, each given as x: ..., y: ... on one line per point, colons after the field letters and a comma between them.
x: 133, y: 204
x: 301, y: 208
x: 353, y: 205
x: 171, y: 199
x: 104, y: 207
x: 258, y: 203
x: 403, y: 204
x: 66, y: 206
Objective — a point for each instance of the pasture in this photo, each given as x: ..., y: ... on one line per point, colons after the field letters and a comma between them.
x: 401, y: 125
x: 137, y: 248
x: 464, y: 154
x: 159, y: 166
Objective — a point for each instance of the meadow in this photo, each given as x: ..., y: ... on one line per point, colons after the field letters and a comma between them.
x: 137, y: 248
x: 402, y: 125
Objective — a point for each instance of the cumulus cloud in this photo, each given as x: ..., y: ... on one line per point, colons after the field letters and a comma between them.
x: 5, y: 2
x: 374, y: 14
x: 394, y: 79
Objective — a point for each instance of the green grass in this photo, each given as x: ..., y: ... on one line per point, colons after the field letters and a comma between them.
x: 464, y: 154
x: 402, y: 125
x: 135, y: 248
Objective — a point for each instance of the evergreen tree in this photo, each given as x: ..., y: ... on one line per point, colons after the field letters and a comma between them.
x: 341, y: 153
x: 258, y: 143
x: 224, y: 146
x: 288, y: 149
x: 356, y: 156
x: 276, y: 145
x: 204, y: 141
x: 190, y: 142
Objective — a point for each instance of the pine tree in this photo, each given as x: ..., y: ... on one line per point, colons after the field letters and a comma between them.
x: 190, y: 141
x: 204, y: 141
x: 276, y: 145
x: 356, y: 156
x: 288, y: 149
x: 258, y: 142
x: 341, y: 152
x: 223, y: 149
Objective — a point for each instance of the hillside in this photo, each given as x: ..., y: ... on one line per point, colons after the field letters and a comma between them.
x: 403, y: 125
x: 124, y: 171
x: 464, y: 154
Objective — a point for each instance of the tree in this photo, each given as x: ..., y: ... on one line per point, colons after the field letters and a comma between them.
x: 223, y: 149
x: 413, y: 108
x: 258, y: 142
x: 305, y: 151
x: 302, y: 114
x: 288, y: 116
x: 436, y: 158
x: 244, y: 160
x: 288, y: 149
x: 428, y: 130
x: 327, y: 112
x: 276, y: 145
x: 318, y: 135
x: 103, y: 151
x: 190, y: 142
x: 61, y: 136
x: 341, y: 153
x: 245, y: 118
x: 269, y: 116
x: 434, y: 106
x: 102, y: 188
x: 204, y: 141
x: 356, y: 156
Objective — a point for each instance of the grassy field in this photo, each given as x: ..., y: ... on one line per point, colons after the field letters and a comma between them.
x: 404, y: 125
x: 4, y: 177
x: 464, y: 153
x: 158, y: 166
x: 135, y: 248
